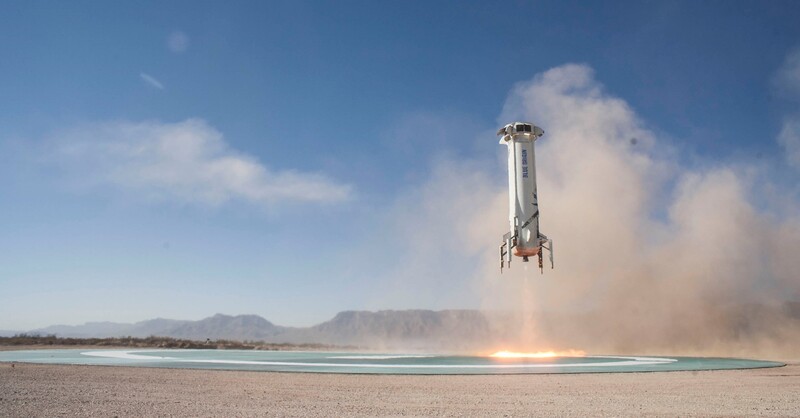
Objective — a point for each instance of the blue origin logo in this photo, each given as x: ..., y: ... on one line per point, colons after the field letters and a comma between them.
x: 524, y: 163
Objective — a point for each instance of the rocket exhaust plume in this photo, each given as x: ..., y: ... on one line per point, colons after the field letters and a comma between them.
x: 538, y: 354
x: 658, y: 252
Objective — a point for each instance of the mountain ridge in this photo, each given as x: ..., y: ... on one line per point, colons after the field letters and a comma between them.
x: 748, y: 327
x: 410, y: 328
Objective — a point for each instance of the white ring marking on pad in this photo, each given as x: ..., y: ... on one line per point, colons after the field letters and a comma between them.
x: 624, y: 361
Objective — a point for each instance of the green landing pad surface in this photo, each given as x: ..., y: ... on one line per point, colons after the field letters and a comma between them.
x: 372, y: 363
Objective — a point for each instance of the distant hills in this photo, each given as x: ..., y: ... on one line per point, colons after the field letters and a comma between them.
x: 407, y: 328
x: 155, y: 327
x: 734, y: 329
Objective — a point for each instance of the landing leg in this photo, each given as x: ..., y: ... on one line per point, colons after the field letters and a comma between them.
x: 541, y: 265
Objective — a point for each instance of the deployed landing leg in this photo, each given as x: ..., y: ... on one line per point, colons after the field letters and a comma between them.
x: 509, y: 242
x: 549, y: 247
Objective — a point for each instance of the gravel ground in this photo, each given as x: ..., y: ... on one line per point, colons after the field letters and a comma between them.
x: 45, y: 390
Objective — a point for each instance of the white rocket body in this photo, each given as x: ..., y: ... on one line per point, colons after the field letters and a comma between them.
x: 524, y: 239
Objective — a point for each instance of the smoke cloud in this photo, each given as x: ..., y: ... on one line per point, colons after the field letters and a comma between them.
x: 652, y: 255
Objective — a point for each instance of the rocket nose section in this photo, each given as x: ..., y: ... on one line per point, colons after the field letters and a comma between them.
x: 521, y: 128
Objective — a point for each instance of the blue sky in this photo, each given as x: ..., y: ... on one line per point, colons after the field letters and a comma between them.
x: 311, y: 127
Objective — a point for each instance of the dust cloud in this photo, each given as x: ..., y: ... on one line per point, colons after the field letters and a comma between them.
x: 654, y: 252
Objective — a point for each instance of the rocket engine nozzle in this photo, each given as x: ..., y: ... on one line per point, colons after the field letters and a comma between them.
x: 526, y: 252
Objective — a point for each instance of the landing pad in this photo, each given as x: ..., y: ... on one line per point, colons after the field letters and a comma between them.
x: 371, y: 363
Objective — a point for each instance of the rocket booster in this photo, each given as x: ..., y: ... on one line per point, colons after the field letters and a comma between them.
x: 524, y: 238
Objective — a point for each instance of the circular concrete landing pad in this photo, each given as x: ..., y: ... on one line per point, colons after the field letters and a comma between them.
x: 371, y: 363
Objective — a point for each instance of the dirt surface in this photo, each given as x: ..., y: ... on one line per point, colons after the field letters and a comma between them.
x: 45, y: 390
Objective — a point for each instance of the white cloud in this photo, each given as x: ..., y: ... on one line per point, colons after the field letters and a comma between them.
x: 786, y: 84
x: 150, y: 80
x: 177, y: 41
x: 789, y: 138
x: 188, y: 161
x: 786, y: 81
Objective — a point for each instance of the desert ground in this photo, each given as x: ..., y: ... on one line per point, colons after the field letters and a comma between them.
x: 55, y: 390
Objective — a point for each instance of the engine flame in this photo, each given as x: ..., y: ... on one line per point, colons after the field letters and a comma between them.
x: 539, y: 354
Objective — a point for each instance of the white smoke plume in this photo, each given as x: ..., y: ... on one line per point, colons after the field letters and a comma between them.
x: 651, y: 255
